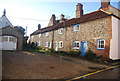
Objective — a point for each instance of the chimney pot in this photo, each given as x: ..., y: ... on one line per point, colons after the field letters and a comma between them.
x: 39, y: 26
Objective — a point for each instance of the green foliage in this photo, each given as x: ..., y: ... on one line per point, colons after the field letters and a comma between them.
x: 20, y: 29
x: 69, y: 53
x: 51, y: 50
x: 91, y: 56
x: 74, y: 53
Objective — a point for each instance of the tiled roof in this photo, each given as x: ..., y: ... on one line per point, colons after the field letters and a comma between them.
x: 87, y: 17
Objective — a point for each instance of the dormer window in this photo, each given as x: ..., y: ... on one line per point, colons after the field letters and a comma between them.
x: 60, y: 31
x: 76, y: 27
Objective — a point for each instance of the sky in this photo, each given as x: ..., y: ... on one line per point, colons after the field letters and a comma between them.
x: 30, y: 13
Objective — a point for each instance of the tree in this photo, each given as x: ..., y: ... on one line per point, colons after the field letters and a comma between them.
x: 20, y: 29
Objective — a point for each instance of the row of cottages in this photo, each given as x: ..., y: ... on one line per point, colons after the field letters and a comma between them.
x: 96, y: 31
x: 10, y: 38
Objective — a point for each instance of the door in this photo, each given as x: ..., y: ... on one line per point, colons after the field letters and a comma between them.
x: 83, y: 48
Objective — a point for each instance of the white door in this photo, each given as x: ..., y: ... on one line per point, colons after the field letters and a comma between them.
x: 8, y: 43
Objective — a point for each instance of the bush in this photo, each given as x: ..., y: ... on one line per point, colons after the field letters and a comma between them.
x: 51, y: 50
x: 74, y: 53
x: 91, y: 56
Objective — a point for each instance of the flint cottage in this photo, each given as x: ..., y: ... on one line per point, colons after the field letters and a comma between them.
x: 96, y: 31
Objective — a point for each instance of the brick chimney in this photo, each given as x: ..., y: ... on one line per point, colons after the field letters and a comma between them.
x: 79, y: 10
x: 52, y: 20
x: 105, y: 3
x: 39, y: 26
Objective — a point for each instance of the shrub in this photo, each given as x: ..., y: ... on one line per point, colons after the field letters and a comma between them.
x: 51, y: 50
x: 90, y: 56
x: 74, y: 53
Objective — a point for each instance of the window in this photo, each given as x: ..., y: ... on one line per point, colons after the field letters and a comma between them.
x: 5, y: 39
x: 46, y: 34
x: 47, y: 44
x: 60, y: 30
x: 39, y: 43
x: 39, y: 35
x: 60, y: 44
x: 100, y: 44
x: 12, y: 39
x: 76, y: 45
x: 32, y: 37
x: 76, y: 27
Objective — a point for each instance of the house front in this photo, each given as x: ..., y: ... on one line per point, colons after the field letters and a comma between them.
x: 96, y: 31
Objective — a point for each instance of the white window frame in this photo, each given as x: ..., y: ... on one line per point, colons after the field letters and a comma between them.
x: 46, y: 44
x: 60, y: 31
x: 39, y: 35
x: 47, y: 34
x: 76, y: 27
x: 99, y: 44
x: 76, y: 43
x: 32, y: 37
x: 39, y: 43
x: 59, y: 44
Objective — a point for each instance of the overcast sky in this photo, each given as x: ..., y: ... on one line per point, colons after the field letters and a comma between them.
x: 30, y: 13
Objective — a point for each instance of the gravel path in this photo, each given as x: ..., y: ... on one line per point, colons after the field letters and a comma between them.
x: 25, y: 65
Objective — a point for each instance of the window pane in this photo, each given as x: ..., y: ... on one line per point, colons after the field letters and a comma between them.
x: 77, y: 44
x: 5, y: 39
x: 102, y: 42
x: 102, y: 46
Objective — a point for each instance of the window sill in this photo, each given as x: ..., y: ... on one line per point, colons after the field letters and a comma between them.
x: 75, y: 48
x: 60, y: 33
x: 60, y: 47
x: 100, y: 48
x: 75, y: 30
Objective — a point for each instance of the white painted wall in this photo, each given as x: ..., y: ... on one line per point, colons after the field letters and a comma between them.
x: 114, y: 49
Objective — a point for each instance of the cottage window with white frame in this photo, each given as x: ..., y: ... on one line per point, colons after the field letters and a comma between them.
x: 32, y: 37
x: 46, y: 34
x: 100, y: 44
x: 39, y: 43
x: 60, y: 31
x: 76, y: 44
x: 76, y: 27
x: 47, y: 44
x: 60, y: 44
x: 39, y: 35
